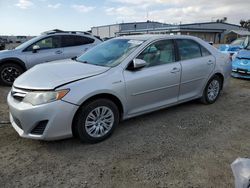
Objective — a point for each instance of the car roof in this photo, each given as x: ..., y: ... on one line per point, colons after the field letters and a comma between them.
x: 146, y: 37
x: 151, y: 37
x: 70, y: 34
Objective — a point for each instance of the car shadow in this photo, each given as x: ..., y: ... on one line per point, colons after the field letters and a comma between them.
x: 128, y: 125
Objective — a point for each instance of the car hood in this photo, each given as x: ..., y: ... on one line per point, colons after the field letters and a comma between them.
x: 227, y: 47
x: 244, y: 54
x: 48, y: 76
x: 7, y: 53
x: 242, y: 60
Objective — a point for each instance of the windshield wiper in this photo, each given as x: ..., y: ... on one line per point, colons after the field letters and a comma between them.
x: 83, y: 62
x: 75, y: 59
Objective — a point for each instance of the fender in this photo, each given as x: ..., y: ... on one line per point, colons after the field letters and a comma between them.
x: 15, y: 60
x: 211, y: 76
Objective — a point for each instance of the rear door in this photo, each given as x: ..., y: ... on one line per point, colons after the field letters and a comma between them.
x: 50, y: 50
x: 75, y: 45
x: 197, y: 64
x: 157, y: 84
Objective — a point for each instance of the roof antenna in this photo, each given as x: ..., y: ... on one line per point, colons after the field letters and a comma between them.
x: 147, y: 15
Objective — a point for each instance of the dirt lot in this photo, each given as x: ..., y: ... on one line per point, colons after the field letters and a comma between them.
x: 190, y: 145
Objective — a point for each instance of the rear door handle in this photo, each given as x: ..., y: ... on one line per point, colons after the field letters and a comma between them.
x: 210, y: 62
x: 58, y: 52
x: 175, y: 69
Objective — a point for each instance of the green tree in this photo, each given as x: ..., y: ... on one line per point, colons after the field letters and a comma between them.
x: 245, y: 24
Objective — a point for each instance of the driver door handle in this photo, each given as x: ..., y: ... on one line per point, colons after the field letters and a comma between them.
x: 175, y: 69
x: 58, y: 52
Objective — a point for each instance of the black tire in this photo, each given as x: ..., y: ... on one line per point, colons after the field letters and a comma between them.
x: 85, y: 110
x: 74, y: 131
x: 205, y: 99
x: 8, y: 80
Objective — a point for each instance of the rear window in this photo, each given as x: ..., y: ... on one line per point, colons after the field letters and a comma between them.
x: 238, y: 41
x: 204, y: 51
x: 69, y: 40
x: 188, y: 49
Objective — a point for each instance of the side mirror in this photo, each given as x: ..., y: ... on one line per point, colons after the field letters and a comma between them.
x: 211, y: 43
x: 35, y: 48
x: 138, y: 63
x: 74, y: 58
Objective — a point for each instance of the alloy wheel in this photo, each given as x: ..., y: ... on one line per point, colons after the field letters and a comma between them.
x: 9, y: 74
x: 213, y: 90
x: 99, y: 121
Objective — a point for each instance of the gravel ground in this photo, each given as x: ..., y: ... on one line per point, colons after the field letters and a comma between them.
x: 189, y: 145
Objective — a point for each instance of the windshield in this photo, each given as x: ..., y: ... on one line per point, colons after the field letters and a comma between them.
x: 27, y: 43
x: 238, y: 41
x: 110, y: 53
x: 248, y: 47
x: 246, y: 43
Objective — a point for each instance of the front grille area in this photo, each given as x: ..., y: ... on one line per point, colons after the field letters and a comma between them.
x: 242, y: 72
x: 39, y: 128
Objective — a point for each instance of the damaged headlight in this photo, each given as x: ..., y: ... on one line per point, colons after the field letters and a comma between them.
x: 42, y: 97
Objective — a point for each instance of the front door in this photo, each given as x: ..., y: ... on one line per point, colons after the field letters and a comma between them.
x: 157, y: 84
x: 49, y: 50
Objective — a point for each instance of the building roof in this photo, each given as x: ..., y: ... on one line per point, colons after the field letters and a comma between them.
x: 127, y: 23
x: 240, y: 32
x: 170, y: 29
x: 202, y: 23
x: 143, y: 22
x: 181, y: 25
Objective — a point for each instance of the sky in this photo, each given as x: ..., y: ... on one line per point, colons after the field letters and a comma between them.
x: 32, y: 17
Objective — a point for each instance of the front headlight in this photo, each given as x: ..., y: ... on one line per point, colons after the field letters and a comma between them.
x: 42, y: 97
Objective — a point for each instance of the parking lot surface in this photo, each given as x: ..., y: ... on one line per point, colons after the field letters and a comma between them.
x: 189, y: 145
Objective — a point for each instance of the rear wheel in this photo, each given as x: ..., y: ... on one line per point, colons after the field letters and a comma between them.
x: 9, y: 72
x: 212, y: 90
x: 96, y: 120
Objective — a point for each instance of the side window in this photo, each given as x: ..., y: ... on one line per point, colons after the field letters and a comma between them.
x: 158, y: 53
x: 69, y: 40
x: 204, y: 51
x: 47, y: 43
x: 79, y: 40
x: 188, y: 49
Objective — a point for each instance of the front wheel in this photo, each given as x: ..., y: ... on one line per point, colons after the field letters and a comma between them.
x: 96, y: 120
x: 212, y: 90
x: 9, y: 72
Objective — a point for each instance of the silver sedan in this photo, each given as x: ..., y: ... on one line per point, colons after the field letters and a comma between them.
x: 121, y: 78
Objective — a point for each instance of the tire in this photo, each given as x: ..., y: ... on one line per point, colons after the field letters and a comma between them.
x: 212, y: 90
x: 93, y: 128
x: 9, y: 72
